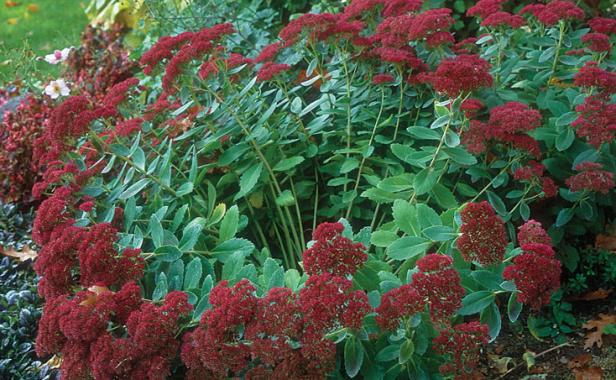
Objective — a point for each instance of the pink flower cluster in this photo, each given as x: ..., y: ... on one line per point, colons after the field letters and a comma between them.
x: 461, y: 345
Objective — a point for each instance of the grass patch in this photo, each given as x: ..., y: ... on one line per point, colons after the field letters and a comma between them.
x: 32, y: 29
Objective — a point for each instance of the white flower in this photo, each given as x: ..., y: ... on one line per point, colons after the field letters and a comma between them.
x: 58, y: 56
x: 57, y: 88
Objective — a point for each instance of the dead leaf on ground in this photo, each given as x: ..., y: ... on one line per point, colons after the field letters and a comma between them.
x: 26, y: 253
x: 580, y: 361
x: 588, y: 373
x: 595, y: 337
x: 598, y: 294
x: 12, y: 21
x: 11, y: 4
x: 607, y: 242
x: 33, y: 8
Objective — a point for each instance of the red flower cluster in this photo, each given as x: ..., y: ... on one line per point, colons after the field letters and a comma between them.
x: 483, y: 236
x: 429, y: 23
x: 438, y: 284
x: 332, y: 252
x: 554, y: 11
x: 591, y: 177
x: 508, y: 124
x: 320, y: 27
x: 462, y: 74
x: 536, y: 274
x: 382, y: 79
x: 461, y: 345
x: 501, y: 18
x: 283, y: 335
x: 19, y: 130
x: 270, y: 69
x: 471, y: 107
x: 532, y: 232
x: 603, y: 25
x: 598, y: 42
x: 591, y: 75
x: 533, y: 173
x: 398, y: 303
x: 492, y: 14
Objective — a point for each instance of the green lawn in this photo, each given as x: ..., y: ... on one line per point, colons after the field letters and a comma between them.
x: 27, y: 33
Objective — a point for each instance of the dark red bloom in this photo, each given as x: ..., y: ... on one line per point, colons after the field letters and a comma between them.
x: 332, y: 252
x: 270, y: 70
x: 215, y: 348
x: 471, y: 107
x: 592, y: 178
x: 430, y: 22
x: 591, y: 75
x: 603, y: 25
x: 461, y: 345
x: 549, y: 188
x: 598, y: 42
x: 483, y: 236
x: 398, y: 303
x: 498, y: 19
x: 536, y: 274
x: 597, y: 120
x: 382, y: 79
x: 438, y: 283
x: 511, y: 118
x: 268, y: 53
x: 554, y: 11
x: 462, y: 74
x: 484, y: 8
x: 440, y: 39
x: 533, y: 232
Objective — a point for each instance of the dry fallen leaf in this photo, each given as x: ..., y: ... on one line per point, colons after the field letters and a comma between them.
x: 607, y: 242
x: 26, y: 253
x: 12, y: 21
x: 580, y: 361
x: 595, y: 337
x: 588, y: 373
x: 33, y: 8
x: 92, y: 297
x: 598, y: 294
x: 11, y: 4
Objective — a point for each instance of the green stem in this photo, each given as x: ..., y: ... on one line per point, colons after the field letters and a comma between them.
x: 557, y: 52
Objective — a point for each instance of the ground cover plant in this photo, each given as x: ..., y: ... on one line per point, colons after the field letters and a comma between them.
x: 366, y: 196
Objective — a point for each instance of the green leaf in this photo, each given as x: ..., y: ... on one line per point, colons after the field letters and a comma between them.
x: 424, y: 133
x: 564, y: 216
x: 285, y: 198
x: 288, y: 163
x: 475, y: 302
x: 405, y: 217
x: 353, y: 356
x: 249, y: 179
x: 427, y: 216
x: 444, y: 197
x: 233, y: 265
x: 497, y: 203
x: 185, y: 189
x: 460, y: 156
x: 192, y: 276
x: 406, y: 247
x: 383, y: 238
x: 229, y: 224
x: 161, y: 288
x: 424, y: 181
x: 191, y: 233
x: 389, y: 353
x: 135, y: 188
x: 439, y: 233
x: 514, y: 308
x: 168, y: 253
x: 487, y: 279
x: 296, y: 105
x: 564, y: 139
x: 230, y: 247
x: 156, y: 231
x: 407, y: 349
x: 138, y: 158
x: 491, y: 316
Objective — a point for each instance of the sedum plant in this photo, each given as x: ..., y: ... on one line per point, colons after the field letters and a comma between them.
x: 354, y: 200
